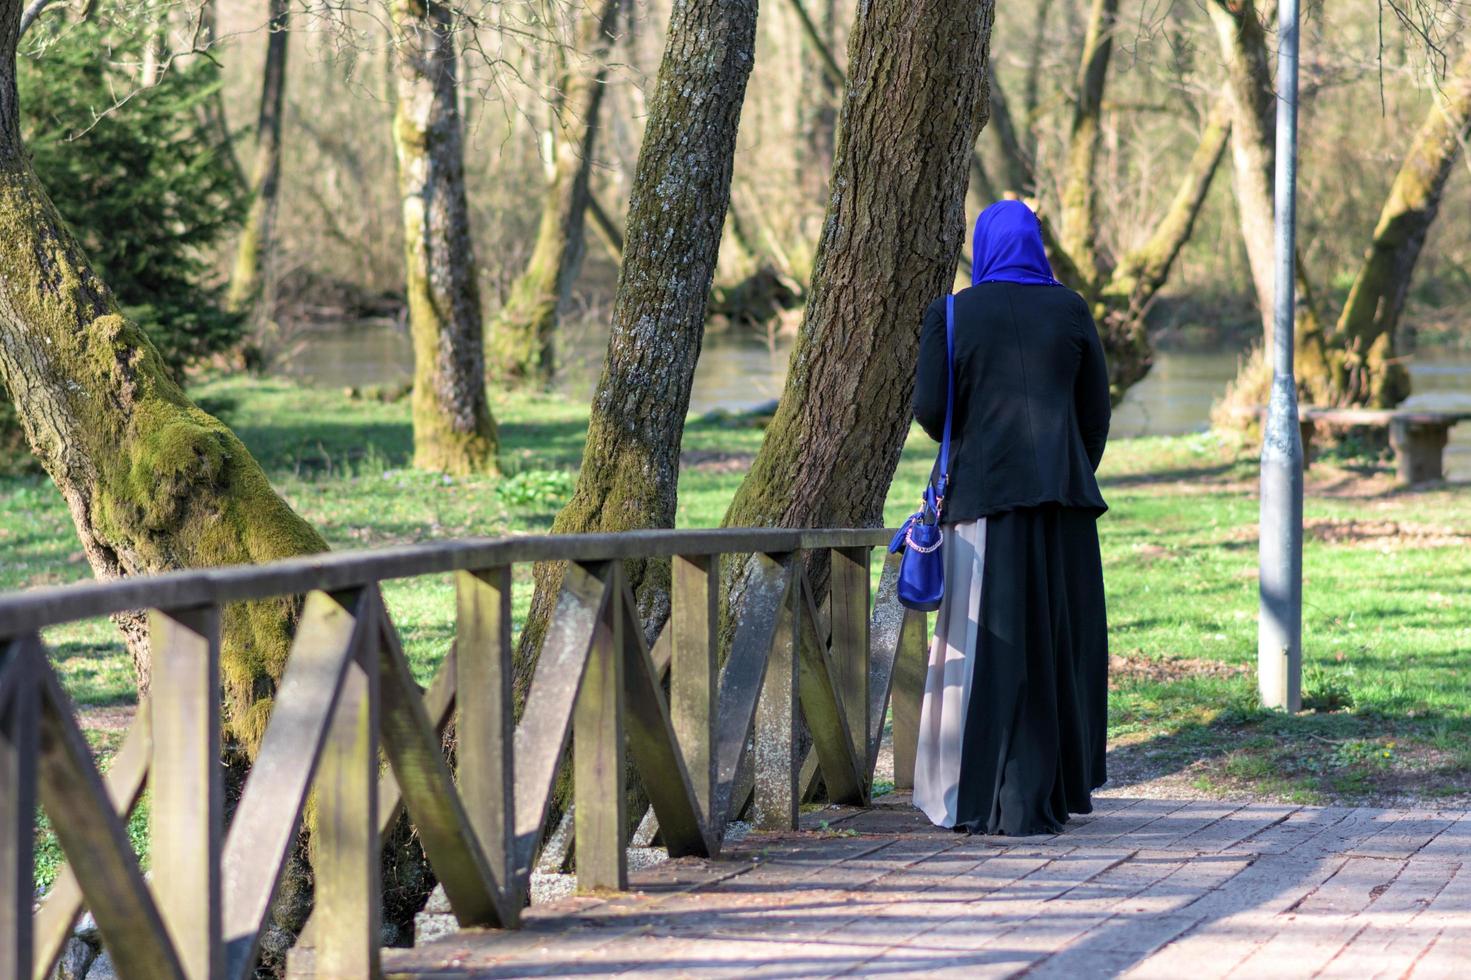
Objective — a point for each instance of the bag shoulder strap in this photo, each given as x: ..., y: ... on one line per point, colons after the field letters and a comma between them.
x: 944, y: 461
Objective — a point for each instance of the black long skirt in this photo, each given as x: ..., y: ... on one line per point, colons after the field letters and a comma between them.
x: 1034, y: 659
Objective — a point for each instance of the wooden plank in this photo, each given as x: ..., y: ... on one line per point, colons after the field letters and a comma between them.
x: 656, y: 750
x: 827, y: 722
x: 19, y: 741
x: 546, y: 720
x: 693, y: 675
x: 346, y: 854
x: 95, y: 840
x: 263, y: 832
x: 185, y: 779
x: 908, y: 693
x: 775, y: 748
x: 124, y: 784
x: 848, y: 612
x: 598, y: 752
x: 343, y: 570
x: 485, y: 725
x: 885, y: 636
x: 439, y: 703
x: 422, y: 780
x: 741, y: 678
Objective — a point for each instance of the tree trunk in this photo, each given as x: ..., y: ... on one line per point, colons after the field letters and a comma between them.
x: 1370, y: 373
x: 676, y: 212
x: 1243, y: 46
x: 1079, y: 200
x: 1253, y: 155
x: 152, y: 482
x: 256, y: 237
x: 524, y: 334
x: 821, y: 81
x: 1018, y: 174
x: 453, y: 428
x: 893, y: 230
x: 1125, y: 299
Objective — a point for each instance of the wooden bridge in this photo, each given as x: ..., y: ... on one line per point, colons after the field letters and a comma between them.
x: 798, y: 708
x: 347, y: 695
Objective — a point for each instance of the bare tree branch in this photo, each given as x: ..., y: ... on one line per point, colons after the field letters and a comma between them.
x: 29, y: 15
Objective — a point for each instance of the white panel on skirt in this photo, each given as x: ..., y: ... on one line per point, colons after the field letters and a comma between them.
x: 953, y: 652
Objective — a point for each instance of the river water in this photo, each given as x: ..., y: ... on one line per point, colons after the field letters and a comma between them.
x: 737, y: 371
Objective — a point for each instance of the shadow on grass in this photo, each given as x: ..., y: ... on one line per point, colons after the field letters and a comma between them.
x: 1327, y: 757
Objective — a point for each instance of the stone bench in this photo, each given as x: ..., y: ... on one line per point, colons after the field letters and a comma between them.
x: 1417, y: 437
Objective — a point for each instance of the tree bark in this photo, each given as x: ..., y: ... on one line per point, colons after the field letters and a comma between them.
x: 523, y: 337
x: 246, y: 281
x: 1125, y: 298
x: 916, y: 71
x: 1253, y: 154
x: 1243, y: 46
x: 1370, y: 373
x: 1079, y: 215
x: 453, y: 429
x: 676, y: 211
x: 151, y: 481
x: 1018, y: 175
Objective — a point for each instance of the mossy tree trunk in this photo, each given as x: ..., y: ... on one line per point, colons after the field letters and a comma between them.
x: 152, y: 482
x: 676, y: 211
x: 895, y: 220
x: 1243, y: 45
x: 453, y: 428
x: 1079, y: 213
x: 523, y: 336
x: 1370, y: 373
x: 252, y: 254
x: 1125, y: 297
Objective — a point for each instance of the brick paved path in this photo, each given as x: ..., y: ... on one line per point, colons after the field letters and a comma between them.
x: 1142, y: 888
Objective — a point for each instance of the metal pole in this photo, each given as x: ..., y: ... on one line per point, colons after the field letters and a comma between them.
x: 1279, y: 630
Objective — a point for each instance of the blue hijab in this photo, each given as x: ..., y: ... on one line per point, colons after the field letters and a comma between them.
x: 1008, y: 247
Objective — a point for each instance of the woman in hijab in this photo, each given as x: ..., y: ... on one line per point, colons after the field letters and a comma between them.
x: 1013, y: 721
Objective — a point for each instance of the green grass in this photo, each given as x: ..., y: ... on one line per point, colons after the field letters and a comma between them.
x: 1387, y: 627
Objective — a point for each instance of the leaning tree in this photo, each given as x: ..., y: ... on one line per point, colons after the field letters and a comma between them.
x: 630, y: 466
x: 915, y: 78
x: 523, y: 336
x: 152, y: 482
x: 1120, y: 291
x: 1353, y: 362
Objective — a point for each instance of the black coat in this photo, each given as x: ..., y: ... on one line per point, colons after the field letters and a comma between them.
x: 1031, y: 399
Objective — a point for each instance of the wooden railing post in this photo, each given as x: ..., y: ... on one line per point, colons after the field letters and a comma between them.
x: 484, y: 723
x: 693, y: 671
x: 776, y: 764
x: 909, y: 672
x: 849, y: 604
x: 187, y: 815
x: 18, y: 752
x: 598, y: 754
x: 346, y: 849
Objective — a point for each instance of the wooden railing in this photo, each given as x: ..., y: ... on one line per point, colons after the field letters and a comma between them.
x: 723, y: 738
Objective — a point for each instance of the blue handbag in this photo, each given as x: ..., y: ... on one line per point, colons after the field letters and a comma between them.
x: 922, y: 568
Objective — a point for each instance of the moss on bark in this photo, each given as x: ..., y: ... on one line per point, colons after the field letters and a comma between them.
x: 152, y: 482
x: 453, y: 428
x: 523, y: 336
x: 1355, y: 363
x: 1079, y: 225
